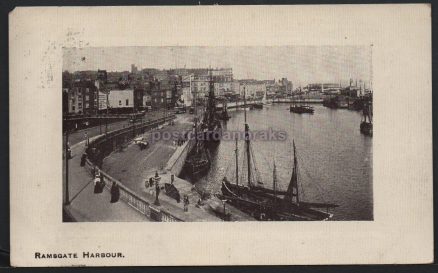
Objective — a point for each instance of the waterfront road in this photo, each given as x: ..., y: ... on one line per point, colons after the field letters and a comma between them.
x: 86, y: 206
x: 79, y: 135
x: 133, y: 167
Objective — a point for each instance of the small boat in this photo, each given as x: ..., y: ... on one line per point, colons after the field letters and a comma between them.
x: 366, y: 125
x: 301, y: 109
x: 219, y: 208
x: 258, y: 105
x: 172, y: 191
x: 330, y: 102
x: 265, y: 100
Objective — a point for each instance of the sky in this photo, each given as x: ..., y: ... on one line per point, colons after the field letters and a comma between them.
x: 300, y: 64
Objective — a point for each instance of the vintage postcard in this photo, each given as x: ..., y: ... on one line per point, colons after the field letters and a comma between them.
x: 221, y: 135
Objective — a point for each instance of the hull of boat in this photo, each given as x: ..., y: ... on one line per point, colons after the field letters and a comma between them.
x: 330, y: 104
x: 258, y: 106
x: 366, y: 128
x: 267, y: 207
x: 197, y: 164
x: 301, y: 110
x: 213, y: 136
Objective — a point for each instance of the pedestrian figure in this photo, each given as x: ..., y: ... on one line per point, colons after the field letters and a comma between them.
x: 186, y: 203
x: 86, y: 138
x: 83, y: 158
x: 101, y: 183
x: 172, y: 179
x: 97, y: 184
x: 157, y: 192
x: 151, y: 181
x: 115, y: 192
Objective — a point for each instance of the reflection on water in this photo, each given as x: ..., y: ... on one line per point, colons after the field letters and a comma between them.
x: 334, y: 159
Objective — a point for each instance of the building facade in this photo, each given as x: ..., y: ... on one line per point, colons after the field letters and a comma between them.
x: 83, y: 98
x: 252, y: 88
x: 118, y: 99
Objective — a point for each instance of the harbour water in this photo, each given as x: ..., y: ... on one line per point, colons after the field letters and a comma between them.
x: 334, y: 158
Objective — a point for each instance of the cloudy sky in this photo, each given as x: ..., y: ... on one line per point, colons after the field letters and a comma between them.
x: 301, y: 64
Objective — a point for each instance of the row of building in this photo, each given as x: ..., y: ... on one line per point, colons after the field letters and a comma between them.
x: 94, y: 95
x: 93, y: 92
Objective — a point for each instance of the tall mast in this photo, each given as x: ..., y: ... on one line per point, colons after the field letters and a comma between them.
x: 247, y: 141
x: 274, y: 181
x: 196, y: 117
x: 295, y: 174
x: 237, y: 164
x: 292, y: 189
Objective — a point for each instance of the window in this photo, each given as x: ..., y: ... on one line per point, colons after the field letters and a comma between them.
x: 120, y: 103
x: 127, y: 102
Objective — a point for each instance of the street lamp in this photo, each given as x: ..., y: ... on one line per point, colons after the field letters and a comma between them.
x: 67, y: 196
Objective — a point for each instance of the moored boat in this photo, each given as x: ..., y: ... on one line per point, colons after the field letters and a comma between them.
x: 258, y: 105
x: 211, y: 124
x: 197, y: 162
x: 301, y: 109
x: 366, y: 125
x: 269, y: 204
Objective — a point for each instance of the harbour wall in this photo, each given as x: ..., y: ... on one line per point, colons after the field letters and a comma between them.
x: 176, y: 162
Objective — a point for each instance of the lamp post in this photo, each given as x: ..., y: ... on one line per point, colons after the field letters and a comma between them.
x: 157, y: 192
x: 67, y: 196
x: 106, y: 118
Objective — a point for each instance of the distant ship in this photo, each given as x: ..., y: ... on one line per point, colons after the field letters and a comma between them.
x: 301, y: 109
x: 331, y: 102
x: 258, y: 105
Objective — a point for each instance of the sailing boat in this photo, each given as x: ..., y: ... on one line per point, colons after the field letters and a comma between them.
x: 198, y: 159
x: 265, y: 100
x: 211, y: 124
x: 264, y: 205
x: 366, y: 126
x: 270, y: 204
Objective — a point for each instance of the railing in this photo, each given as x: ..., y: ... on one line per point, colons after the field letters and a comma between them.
x: 128, y: 196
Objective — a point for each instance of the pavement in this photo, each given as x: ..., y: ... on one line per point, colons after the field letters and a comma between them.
x: 132, y: 167
x: 85, y: 205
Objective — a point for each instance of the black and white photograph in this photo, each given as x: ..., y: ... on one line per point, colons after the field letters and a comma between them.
x: 278, y: 133
x: 221, y: 135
